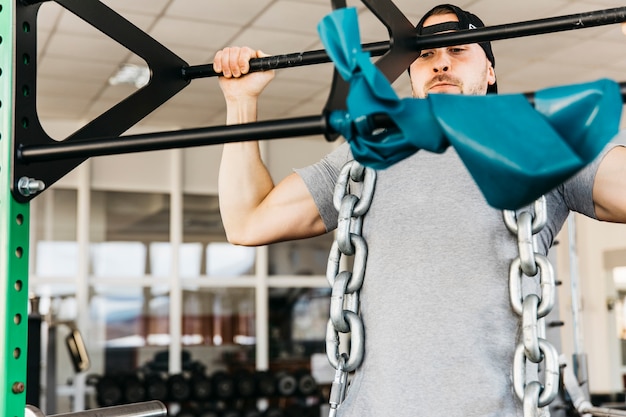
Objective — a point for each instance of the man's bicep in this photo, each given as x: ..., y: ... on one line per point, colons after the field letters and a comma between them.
x: 289, y: 212
x: 609, y: 188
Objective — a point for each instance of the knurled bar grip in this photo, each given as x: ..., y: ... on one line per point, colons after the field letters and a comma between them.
x: 144, y: 409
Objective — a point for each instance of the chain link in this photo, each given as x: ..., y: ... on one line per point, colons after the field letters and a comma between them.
x: 346, y: 285
x: 532, y: 308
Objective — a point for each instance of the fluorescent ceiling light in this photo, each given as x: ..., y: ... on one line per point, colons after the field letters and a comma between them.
x: 137, y: 75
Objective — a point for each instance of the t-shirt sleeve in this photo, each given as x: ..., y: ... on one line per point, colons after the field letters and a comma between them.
x: 320, y: 179
x: 578, y: 190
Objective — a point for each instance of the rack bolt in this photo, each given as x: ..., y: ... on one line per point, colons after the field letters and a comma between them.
x: 18, y: 387
x: 29, y: 186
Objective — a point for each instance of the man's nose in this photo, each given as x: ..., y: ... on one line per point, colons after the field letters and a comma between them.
x: 442, y: 63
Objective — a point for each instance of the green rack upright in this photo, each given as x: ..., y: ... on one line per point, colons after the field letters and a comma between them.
x: 14, y: 225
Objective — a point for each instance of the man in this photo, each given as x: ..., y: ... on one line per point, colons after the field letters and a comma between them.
x: 440, y: 334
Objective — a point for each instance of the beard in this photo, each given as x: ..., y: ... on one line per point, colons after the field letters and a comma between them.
x: 474, y: 85
x: 443, y: 78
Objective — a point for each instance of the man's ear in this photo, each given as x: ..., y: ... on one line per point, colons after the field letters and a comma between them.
x: 491, y: 75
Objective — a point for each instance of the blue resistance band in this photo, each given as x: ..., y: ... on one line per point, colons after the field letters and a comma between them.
x: 514, y: 152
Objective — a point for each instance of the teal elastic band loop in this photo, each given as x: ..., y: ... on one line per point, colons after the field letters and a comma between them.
x: 514, y: 152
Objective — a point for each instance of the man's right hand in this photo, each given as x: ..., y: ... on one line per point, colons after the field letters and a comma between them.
x: 233, y: 63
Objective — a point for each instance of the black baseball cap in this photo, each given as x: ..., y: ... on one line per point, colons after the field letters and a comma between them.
x: 466, y: 21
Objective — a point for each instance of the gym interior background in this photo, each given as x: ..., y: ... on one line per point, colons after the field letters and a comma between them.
x: 101, y: 237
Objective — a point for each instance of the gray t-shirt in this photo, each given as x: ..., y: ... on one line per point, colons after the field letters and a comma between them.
x: 440, y: 333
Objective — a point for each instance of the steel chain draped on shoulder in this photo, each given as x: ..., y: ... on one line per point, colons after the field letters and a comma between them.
x: 344, y: 302
x: 532, y: 308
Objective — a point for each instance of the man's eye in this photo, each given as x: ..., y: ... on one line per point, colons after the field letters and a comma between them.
x: 425, y: 54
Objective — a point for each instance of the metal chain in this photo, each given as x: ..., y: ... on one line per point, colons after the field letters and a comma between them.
x: 344, y: 302
x: 532, y: 308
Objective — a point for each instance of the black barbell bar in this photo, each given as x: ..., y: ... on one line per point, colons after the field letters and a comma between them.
x: 270, y: 129
x: 490, y: 33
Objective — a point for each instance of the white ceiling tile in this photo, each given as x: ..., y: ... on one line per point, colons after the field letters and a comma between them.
x: 371, y: 29
x: 586, y: 53
x: 619, y: 63
x: 272, y: 108
x: 206, y: 98
x: 612, y: 33
x: 294, y: 16
x: 607, y: 3
x: 580, y: 6
x: 499, y: 13
x: 48, y: 15
x: 273, y: 42
x: 510, y: 54
x: 544, y: 74
x: 189, y: 54
x: 154, y: 7
x: 68, y: 22
x: 116, y: 93
x: 311, y: 106
x: 60, y: 129
x: 72, y: 24
x: 217, y: 119
x: 612, y: 74
x: 202, y: 35
x: 43, y: 36
x: 61, y: 67
x: 318, y: 74
x: 290, y: 89
x: 182, y: 116
x: 193, y: 56
x: 75, y: 47
x: 48, y: 106
x: 415, y: 9
x: 238, y: 12
x: 323, y: 2
x: 129, y: 59
x: 402, y: 86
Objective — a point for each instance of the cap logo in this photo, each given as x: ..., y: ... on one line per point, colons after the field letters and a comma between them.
x: 471, y: 26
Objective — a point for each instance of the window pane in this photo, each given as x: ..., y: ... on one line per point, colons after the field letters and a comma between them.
x: 298, y: 318
x: 300, y: 257
x: 219, y: 317
x: 54, y: 249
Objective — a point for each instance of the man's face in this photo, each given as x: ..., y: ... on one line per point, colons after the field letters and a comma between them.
x: 462, y: 69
